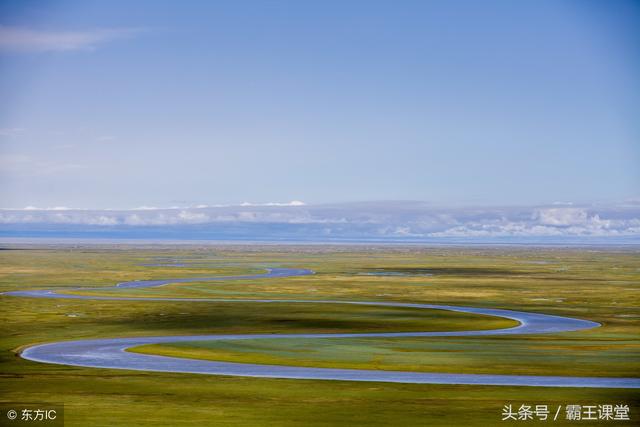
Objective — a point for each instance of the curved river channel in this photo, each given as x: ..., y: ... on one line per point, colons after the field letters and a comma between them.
x: 112, y: 352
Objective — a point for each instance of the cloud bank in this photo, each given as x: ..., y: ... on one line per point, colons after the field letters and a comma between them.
x: 375, y: 221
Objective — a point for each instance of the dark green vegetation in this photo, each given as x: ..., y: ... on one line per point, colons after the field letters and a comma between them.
x: 600, y: 285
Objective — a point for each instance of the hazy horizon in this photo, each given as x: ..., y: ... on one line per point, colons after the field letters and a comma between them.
x: 407, y: 221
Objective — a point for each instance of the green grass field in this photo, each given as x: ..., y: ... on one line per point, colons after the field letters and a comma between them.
x: 599, y: 285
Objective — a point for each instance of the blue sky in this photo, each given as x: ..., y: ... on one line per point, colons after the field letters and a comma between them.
x: 117, y: 104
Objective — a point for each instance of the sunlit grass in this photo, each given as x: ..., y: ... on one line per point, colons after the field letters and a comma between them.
x: 603, y: 286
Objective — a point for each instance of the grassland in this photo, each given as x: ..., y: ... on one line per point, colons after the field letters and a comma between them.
x: 600, y: 285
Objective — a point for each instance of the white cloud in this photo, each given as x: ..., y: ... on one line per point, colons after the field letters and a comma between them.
x: 146, y: 208
x: 102, y: 220
x: 561, y: 216
x: 291, y: 203
x: 191, y: 217
x: 24, y: 39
